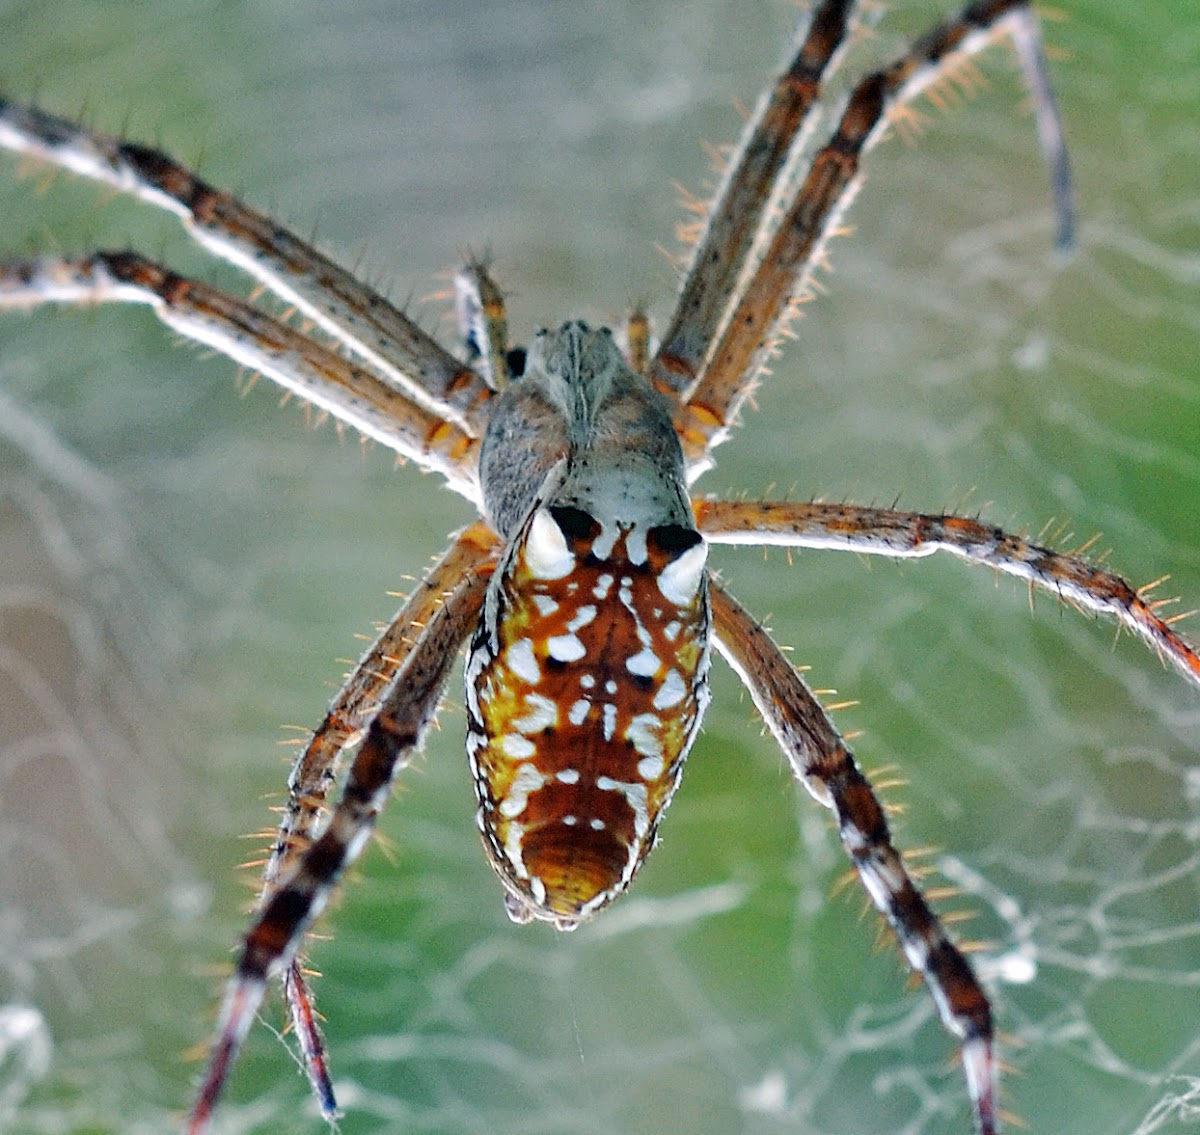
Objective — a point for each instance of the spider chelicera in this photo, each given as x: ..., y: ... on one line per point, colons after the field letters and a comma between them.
x: 582, y: 594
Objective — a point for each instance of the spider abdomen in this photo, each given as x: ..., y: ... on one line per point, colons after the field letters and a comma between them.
x: 585, y: 687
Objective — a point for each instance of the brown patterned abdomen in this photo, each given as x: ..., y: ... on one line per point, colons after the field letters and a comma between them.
x: 583, y: 702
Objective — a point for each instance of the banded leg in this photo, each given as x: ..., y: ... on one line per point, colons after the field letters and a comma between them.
x: 316, y: 767
x: 636, y: 346
x: 360, y: 319
x: 764, y: 303
x: 250, y: 337
x: 736, y: 216
x: 890, y: 532
x: 392, y: 738
x: 482, y: 322
x: 821, y: 761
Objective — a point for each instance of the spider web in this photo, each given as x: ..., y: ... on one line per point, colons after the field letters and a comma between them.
x: 181, y: 568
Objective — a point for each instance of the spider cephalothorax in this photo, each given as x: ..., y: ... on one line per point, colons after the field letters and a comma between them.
x: 582, y: 592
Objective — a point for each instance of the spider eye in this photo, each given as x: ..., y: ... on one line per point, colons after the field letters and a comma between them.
x: 514, y: 361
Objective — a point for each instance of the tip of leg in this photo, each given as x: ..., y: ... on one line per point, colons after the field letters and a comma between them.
x: 322, y: 1085
x: 241, y: 1003
x: 980, y: 1070
x: 312, y: 1045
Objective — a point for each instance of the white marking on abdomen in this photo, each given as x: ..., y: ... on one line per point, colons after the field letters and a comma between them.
x: 650, y: 768
x: 527, y: 780
x: 645, y: 663
x: 566, y: 647
x: 635, y: 797
x: 543, y: 713
x: 545, y: 605
x: 512, y: 849
x: 546, y: 553
x: 516, y: 747
x: 522, y: 661
x: 671, y: 692
x: 582, y: 617
x: 642, y: 734
x: 680, y: 579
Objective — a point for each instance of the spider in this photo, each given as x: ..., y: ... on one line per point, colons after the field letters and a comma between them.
x: 582, y: 595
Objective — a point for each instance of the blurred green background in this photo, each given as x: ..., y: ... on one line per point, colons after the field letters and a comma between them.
x: 181, y: 570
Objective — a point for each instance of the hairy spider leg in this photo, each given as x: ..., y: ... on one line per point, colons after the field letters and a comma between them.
x: 747, y: 338
x: 482, y: 322
x: 357, y: 317
x: 891, y: 532
x: 738, y: 213
x: 249, y: 336
x: 392, y: 738
x: 824, y: 765
x: 316, y: 769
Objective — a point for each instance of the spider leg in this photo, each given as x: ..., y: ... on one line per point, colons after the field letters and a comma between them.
x: 890, y: 532
x: 823, y: 763
x: 316, y: 766
x: 730, y: 365
x: 360, y: 319
x: 778, y: 128
x: 392, y: 737
x: 249, y: 336
x: 303, y: 1012
x: 482, y: 322
x: 637, y: 340
x: 358, y: 701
